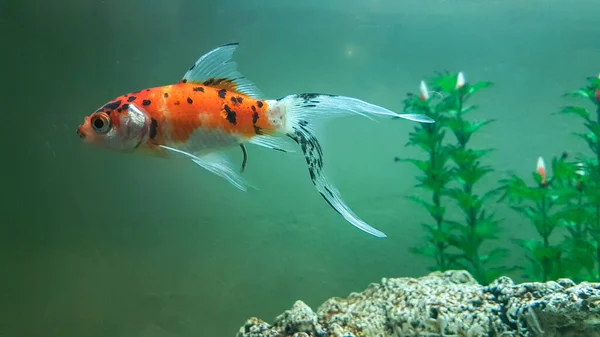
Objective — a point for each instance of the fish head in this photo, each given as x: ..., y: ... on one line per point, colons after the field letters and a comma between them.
x: 115, y: 127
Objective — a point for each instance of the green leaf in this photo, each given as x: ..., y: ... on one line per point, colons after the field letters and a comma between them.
x: 436, y: 236
x: 427, y: 251
x: 422, y: 165
x: 580, y: 253
x: 444, y: 82
x: 517, y: 190
x: 491, y: 193
x: 476, y: 125
x: 472, y: 89
x: 470, y: 175
x: 572, y: 215
x: 578, y: 93
x: 464, y: 199
x: 527, y: 211
x: 538, y: 250
x: 594, y: 82
x: 435, y: 211
x: 487, y: 228
x: 591, y: 140
x: 463, y: 129
x: 429, y: 137
x: 469, y: 108
x: 467, y: 157
x: 581, y: 112
x: 594, y: 127
x: 494, y: 256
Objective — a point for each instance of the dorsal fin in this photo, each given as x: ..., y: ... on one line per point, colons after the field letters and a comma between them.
x: 217, y: 69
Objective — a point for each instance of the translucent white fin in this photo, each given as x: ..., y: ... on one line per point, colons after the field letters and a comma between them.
x: 279, y: 144
x: 416, y: 118
x: 319, y: 107
x: 217, y: 66
x: 314, y: 158
x: 303, y: 113
x: 217, y: 164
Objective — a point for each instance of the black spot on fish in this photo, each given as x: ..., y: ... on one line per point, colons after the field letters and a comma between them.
x: 177, y: 103
x: 125, y: 106
x: 184, y: 81
x: 189, y: 100
x: 260, y: 104
x: 146, y: 102
x: 166, y: 95
x: 222, y: 93
x: 113, y: 105
x: 310, y: 100
x: 239, y: 99
x: 131, y: 99
x: 257, y: 130
x: 214, y: 81
x: 253, y: 108
x: 254, y: 117
x: 201, y: 89
x: 308, y: 96
x: 153, y: 127
x: 231, y: 115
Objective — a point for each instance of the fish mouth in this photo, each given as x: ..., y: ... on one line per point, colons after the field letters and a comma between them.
x: 80, y: 133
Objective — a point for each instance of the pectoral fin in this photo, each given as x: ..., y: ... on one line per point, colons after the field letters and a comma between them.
x: 217, y: 164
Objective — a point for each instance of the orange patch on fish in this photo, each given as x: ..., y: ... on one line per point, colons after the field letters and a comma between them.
x: 183, y: 108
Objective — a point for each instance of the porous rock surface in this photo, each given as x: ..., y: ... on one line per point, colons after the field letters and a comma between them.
x: 451, y: 303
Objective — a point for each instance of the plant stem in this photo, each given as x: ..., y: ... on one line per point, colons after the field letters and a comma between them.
x: 597, y: 219
x: 471, y: 211
x: 598, y: 143
x: 596, y: 201
x: 545, y: 234
x: 436, y: 198
x: 441, y: 247
x: 472, y: 221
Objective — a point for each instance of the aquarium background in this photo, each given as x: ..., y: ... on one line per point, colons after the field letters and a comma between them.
x: 95, y: 243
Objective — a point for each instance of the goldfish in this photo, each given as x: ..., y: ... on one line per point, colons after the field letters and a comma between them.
x: 214, y: 108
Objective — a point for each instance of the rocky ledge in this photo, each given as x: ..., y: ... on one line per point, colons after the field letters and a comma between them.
x: 451, y: 303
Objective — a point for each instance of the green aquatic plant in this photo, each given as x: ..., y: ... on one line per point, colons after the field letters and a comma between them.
x: 544, y: 204
x: 588, y: 174
x: 568, y: 201
x: 436, y: 172
x: 575, y: 216
x: 452, y: 170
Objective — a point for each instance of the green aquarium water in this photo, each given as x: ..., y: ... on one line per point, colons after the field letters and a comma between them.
x: 99, y: 243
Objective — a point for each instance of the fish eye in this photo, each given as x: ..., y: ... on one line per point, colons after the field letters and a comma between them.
x: 101, y: 123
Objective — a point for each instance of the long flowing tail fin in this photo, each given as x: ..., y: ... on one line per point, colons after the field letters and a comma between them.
x: 303, y: 113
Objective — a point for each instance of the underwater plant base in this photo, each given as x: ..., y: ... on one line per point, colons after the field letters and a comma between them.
x: 447, y: 303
